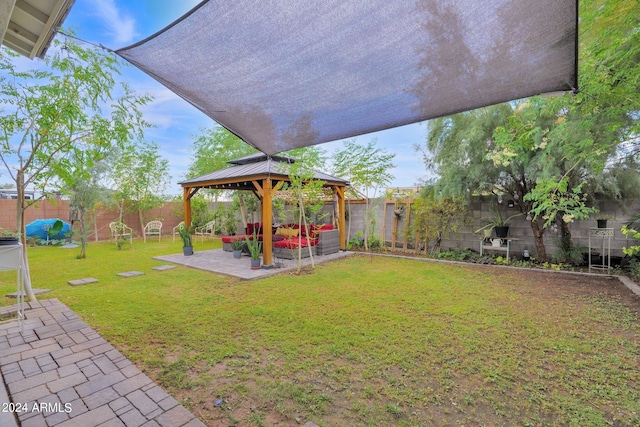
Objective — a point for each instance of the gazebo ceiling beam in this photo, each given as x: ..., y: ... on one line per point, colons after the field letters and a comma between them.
x: 258, y: 188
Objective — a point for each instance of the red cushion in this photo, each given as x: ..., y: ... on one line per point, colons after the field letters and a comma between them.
x: 294, y: 243
x: 254, y: 227
x: 231, y: 239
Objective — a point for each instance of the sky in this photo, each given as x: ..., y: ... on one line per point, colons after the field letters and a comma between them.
x: 119, y: 23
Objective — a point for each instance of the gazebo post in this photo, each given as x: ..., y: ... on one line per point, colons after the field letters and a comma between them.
x: 187, y: 206
x: 267, y: 222
x: 341, y: 218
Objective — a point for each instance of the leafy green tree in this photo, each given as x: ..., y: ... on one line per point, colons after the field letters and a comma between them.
x: 140, y: 176
x: 592, y: 135
x: 85, y: 194
x: 69, y: 105
x: 213, y: 148
x: 434, y: 217
x: 460, y: 149
x: 306, y: 198
x: 368, y: 169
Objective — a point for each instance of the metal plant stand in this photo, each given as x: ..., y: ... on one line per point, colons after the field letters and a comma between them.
x: 11, y: 258
x: 600, y: 238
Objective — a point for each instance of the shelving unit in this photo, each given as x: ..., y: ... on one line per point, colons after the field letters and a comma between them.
x: 600, y: 238
x: 11, y: 259
x: 505, y: 246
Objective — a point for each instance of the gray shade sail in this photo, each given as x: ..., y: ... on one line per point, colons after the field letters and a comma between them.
x: 282, y: 74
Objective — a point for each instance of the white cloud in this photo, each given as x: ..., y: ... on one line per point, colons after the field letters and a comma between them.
x: 119, y: 24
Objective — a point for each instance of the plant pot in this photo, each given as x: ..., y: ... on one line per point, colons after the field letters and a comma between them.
x: 255, y: 264
x: 187, y: 250
x: 602, y: 223
x: 502, y: 231
x: 237, y: 254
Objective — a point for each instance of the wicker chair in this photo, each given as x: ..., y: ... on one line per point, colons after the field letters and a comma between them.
x: 206, y: 230
x: 120, y: 230
x: 175, y: 231
x: 153, y: 228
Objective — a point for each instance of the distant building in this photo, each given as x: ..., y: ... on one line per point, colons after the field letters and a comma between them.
x: 12, y: 193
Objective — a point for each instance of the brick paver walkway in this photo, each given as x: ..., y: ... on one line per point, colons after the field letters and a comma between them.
x: 60, y: 372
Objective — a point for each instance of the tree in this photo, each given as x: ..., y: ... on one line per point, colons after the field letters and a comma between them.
x: 72, y: 105
x: 307, y: 200
x: 587, y: 130
x: 85, y: 193
x: 140, y: 176
x: 436, y: 217
x: 368, y: 169
x: 213, y: 148
x: 461, y: 148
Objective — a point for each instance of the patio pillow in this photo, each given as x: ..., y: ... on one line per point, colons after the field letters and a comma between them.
x: 289, y: 232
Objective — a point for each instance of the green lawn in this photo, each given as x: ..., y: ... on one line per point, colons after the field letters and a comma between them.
x: 364, y: 340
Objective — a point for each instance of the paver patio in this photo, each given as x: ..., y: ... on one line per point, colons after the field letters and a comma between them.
x: 219, y: 261
x: 60, y: 372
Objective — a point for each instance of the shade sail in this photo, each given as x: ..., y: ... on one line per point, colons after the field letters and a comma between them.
x: 283, y: 74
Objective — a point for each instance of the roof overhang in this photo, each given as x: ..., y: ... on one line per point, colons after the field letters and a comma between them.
x: 28, y: 26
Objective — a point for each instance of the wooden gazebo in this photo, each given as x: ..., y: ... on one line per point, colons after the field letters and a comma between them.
x: 263, y: 175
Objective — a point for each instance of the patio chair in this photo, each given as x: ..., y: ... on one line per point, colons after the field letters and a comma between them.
x: 120, y: 230
x: 206, y: 230
x: 153, y: 228
x: 175, y: 231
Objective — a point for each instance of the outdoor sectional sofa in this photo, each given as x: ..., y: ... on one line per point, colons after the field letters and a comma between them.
x: 323, y: 239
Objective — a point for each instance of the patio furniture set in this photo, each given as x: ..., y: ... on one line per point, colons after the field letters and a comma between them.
x: 323, y: 239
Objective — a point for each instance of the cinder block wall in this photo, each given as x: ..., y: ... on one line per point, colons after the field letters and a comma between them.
x: 171, y: 214
x: 520, y: 228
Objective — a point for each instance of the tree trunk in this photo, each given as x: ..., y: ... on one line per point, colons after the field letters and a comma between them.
x: 537, y: 235
x: 20, y: 228
x: 141, y: 219
x: 366, y: 225
x: 243, y: 210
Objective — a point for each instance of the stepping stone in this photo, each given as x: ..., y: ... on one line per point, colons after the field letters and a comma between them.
x: 80, y: 282
x: 35, y: 292
x: 131, y: 273
x: 163, y: 267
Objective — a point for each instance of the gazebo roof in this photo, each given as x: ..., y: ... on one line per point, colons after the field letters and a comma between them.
x: 256, y: 166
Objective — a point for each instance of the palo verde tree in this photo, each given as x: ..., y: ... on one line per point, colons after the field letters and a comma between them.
x: 368, y: 169
x: 71, y: 103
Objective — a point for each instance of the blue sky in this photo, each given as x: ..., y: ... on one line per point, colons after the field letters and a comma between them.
x: 119, y: 23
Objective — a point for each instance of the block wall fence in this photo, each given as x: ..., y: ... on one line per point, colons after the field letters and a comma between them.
x: 169, y: 213
x: 383, y: 213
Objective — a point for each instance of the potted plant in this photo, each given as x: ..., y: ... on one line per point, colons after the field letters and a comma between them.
x: 254, y: 246
x: 497, y: 223
x: 601, y: 220
x: 237, y: 246
x: 187, y: 245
